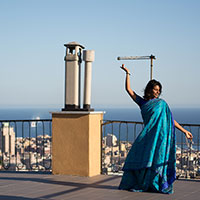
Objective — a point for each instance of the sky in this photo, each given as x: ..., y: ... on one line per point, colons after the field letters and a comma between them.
x: 33, y: 34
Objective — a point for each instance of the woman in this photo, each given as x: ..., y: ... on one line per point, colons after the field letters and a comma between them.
x: 151, y: 163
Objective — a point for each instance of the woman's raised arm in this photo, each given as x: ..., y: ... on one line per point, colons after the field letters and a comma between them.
x: 187, y: 133
x: 127, y: 83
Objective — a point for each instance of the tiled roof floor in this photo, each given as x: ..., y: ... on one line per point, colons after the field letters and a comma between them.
x: 21, y: 186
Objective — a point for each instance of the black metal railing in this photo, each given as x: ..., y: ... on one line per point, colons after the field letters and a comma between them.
x: 25, y: 145
x: 118, y: 137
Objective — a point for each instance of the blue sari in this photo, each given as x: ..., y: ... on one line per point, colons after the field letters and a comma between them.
x: 151, y: 162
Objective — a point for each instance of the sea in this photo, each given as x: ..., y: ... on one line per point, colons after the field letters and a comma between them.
x: 181, y: 115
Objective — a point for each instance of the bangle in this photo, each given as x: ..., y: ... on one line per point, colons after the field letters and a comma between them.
x: 128, y: 73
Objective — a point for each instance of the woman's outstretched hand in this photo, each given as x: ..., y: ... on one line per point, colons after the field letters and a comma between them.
x: 186, y: 132
x: 188, y: 135
x: 125, y: 69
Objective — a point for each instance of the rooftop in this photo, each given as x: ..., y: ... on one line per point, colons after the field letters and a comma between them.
x: 21, y: 186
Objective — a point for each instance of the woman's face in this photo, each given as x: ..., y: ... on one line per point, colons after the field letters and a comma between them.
x: 156, y: 91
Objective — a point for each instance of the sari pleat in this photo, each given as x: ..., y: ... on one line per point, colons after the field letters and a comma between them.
x: 151, y: 162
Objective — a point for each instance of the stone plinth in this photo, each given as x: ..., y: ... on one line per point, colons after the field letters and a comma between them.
x: 76, y: 143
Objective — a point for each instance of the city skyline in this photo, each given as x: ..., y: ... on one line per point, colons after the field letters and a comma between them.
x: 32, y: 49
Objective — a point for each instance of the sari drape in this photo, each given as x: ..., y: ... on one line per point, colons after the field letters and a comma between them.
x: 151, y: 162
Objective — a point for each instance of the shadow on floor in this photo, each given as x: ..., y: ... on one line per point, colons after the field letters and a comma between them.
x: 6, y: 197
x: 76, y: 186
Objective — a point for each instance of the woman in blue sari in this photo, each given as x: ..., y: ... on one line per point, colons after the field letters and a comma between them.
x: 151, y: 162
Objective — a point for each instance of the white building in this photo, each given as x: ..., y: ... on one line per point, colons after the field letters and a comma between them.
x: 111, y: 140
x: 7, y: 140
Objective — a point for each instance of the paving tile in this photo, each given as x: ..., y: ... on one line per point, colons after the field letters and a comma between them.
x: 19, y: 186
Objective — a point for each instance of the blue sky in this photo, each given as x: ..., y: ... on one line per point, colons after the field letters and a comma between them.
x: 33, y: 33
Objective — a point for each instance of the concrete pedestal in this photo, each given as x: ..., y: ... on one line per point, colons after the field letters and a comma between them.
x: 76, y: 143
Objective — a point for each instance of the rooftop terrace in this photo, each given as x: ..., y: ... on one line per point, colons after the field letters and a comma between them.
x: 21, y: 186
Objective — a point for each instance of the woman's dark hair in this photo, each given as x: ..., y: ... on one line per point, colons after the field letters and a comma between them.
x: 149, y: 88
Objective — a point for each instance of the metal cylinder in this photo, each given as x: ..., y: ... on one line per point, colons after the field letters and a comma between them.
x: 72, y: 76
x: 88, y: 57
x: 72, y: 84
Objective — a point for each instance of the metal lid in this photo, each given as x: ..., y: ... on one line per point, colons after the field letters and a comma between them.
x: 73, y: 44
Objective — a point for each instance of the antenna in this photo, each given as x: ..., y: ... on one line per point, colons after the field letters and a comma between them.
x: 151, y: 57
